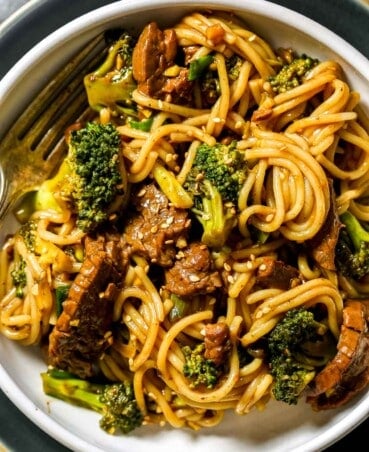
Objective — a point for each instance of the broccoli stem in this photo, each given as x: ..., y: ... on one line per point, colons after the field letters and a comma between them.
x: 215, y: 221
x: 355, y: 230
x: 73, y: 390
x: 172, y: 189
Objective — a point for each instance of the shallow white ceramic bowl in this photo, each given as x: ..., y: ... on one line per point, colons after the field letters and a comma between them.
x: 279, y: 428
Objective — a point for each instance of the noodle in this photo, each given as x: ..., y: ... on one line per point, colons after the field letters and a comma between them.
x: 306, y: 150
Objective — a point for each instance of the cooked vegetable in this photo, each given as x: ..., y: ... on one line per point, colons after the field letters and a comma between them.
x: 92, y: 178
x: 115, y: 401
x: 292, y: 73
x: 201, y: 371
x: 215, y: 179
x: 112, y: 84
x: 297, y: 347
x: 199, y: 66
x: 19, y: 277
x: 352, y: 249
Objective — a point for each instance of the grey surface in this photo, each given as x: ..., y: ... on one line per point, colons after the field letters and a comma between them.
x: 346, y: 17
x: 7, y: 7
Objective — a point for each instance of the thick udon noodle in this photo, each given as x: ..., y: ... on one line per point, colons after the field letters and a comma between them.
x: 292, y: 153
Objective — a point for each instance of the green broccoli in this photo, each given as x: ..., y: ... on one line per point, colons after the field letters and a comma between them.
x: 233, y: 65
x: 114, y: 401
x: 292, y: 73
x: 201, y: 371
x: 352, y: 249
x: 28, y: 233
x: 207, y: 76
x: 214, y: 182
x: 19, y: 277
x: 91, y: 179
x: 61, y: 294
x: 111, y: 85
x: 297, y: 347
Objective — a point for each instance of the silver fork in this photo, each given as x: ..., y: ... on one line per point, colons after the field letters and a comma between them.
x: 34, y: 145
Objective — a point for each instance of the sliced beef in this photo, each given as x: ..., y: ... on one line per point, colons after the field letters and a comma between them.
x: 275, y: 273
x: 217, y: 343
x: 348, y: 372
x: 322, y: 246
x: 155, y: 52
x: 82, y: 331
x: 193, y: 272
x: 155, y: 226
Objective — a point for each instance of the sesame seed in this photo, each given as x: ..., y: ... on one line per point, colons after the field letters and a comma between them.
x: 262, y: 267
x: 227, y: 267
x: 194, y: 278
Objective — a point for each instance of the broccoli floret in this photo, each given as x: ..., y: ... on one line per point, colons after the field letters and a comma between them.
x: 352, y: 249
x: 28, y: 233
x: 201, y: 371
x: 92, y: 178
x: 297, y: 347
x: 115, y: 401
x: 292, y: 74
x: 214, y: 182
x: 208, y: 79
x: 223, y: 165
x: 291, y: 378
x: 111, y: 85
x: 19, y: 277
x: 233, y: 65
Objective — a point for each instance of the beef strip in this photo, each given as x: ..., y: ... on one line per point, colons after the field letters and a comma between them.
x: 155, y: 52
x: 277, y: 274
x: 82, y: 331
x: 348, y: 372
x: 155, y: 227
x: 322, y: 246
x: 193, y: 272
x: 217, y: 343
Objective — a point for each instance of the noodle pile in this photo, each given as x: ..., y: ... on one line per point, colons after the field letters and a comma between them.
x: 295, y: 143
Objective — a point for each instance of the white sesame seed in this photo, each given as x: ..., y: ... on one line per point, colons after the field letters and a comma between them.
x: 227, y: 267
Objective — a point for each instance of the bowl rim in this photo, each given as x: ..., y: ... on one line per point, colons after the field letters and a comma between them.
x: 100, y: 17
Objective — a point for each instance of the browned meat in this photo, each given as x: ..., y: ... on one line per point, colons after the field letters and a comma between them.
x: 192, y: 272
x: 155, y: 52
x: 82, y: 331
x: 155, y: 227
x: 217, y: 344
x: 277, y: 274
x: 322, y: 246
x: 348, y: 372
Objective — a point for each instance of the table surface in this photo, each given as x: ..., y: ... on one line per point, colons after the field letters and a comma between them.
x: 15, y: 420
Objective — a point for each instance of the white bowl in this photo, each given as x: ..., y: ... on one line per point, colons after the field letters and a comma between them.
x: 278, y: 428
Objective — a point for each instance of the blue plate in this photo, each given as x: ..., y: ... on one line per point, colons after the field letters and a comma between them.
x: 347, y: 18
